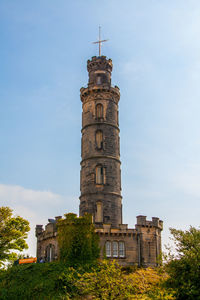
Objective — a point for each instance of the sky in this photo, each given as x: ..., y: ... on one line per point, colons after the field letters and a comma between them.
x: 155, y: 49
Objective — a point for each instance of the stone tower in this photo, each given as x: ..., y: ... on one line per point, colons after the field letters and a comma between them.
x: 100, y: 165
x: 101, y: 180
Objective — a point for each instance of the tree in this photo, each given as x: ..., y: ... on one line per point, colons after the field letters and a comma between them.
x: 107, y: 280
x: 78, y: 242
x: 13, y: 232
x: 184, y: 268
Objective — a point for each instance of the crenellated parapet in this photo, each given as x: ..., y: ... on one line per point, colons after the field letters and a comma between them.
x: 49, y: 231
x: 156, y: 222
x: 99, y: 63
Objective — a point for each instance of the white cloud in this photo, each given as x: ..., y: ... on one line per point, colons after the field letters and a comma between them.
x: 35, y: 206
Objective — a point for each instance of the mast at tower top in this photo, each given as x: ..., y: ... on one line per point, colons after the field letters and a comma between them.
x: 100, y: 41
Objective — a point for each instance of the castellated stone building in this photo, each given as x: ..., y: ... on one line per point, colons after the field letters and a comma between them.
x: 101, y: 179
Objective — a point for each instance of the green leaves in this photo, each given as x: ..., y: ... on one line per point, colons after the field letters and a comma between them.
x: 184, y: 269
x: 78, y: 242
x: 103, y: 280
x: 13, y: 232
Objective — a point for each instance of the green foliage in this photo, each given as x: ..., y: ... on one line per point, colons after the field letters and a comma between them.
x: 105, y: 280
x: 13, y: 232
x: 108, y: 281
x: 31, y: 281
x: 78, y: 242
x: 184, y: 269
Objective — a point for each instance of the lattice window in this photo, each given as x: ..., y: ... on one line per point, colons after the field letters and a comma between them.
x: 121, y: 249
x: 108, y: 249
x: 115, y: 249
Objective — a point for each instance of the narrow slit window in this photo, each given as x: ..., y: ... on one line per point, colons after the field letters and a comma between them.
x: 99, y: 213
x: 99, y: 139
x: 98, y: 80
x: 99, y: 175
x: 149, y: 246
x: 99, y: 111
x: 121, y: 249
x: 115, y: 249
x: 108, y: 249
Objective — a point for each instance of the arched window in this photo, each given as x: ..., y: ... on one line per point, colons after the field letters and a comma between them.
x: 100, y: 175
x: 99, y: 139
x: 50, y: 253
x: 108, y: 249
x: 99, y: 111
x: 121, y: 249
x: 115, y: 249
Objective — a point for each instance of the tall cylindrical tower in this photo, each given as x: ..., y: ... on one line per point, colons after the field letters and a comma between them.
x: 100, y: 147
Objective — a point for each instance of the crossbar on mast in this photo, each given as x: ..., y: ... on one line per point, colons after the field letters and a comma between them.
x: 100, y: 41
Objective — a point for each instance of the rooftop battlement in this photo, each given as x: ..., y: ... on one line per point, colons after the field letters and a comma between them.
x: 98, y: 63
x: 156, y: 222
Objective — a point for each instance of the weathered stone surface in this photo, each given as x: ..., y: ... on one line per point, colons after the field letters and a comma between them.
x: 108, y: 193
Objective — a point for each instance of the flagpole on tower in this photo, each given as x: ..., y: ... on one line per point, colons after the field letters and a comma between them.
x: 100, y: 41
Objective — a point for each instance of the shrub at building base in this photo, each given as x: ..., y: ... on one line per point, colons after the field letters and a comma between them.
x: 78, y: 242
x: 108, y: 281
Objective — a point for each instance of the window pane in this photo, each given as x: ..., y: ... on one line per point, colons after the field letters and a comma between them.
x: 121, y: 249
x: 99, y: 139
x: 99, y: 175
x: 99, y: 111
x: 98, y: 79
x: 108, y: 249
x: 115, y: 249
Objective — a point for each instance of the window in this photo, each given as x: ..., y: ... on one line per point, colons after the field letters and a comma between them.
x: 100, y: 175
x: 50, y: 253
x: 149, y: 246
x: 99, y: 111
x: 108, y: 249
x: 99, y: 139
x: 98, y: 79
x: 115, y: 249
x: 121, y: 249
x: 99, y: 213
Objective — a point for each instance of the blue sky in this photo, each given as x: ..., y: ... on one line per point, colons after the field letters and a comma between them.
x: 155, y: 48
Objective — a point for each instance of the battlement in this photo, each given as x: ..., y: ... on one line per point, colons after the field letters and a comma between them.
x: 50, y: 228
x: 119, y: 231
x: 99, y: 63
x: 99, y: 69
x: 156, y: 222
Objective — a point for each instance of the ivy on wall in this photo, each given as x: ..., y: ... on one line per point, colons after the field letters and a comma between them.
x: 77, y: 240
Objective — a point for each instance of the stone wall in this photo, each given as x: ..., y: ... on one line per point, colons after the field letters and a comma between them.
x: 142, y: 243
x: 108, y: 192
